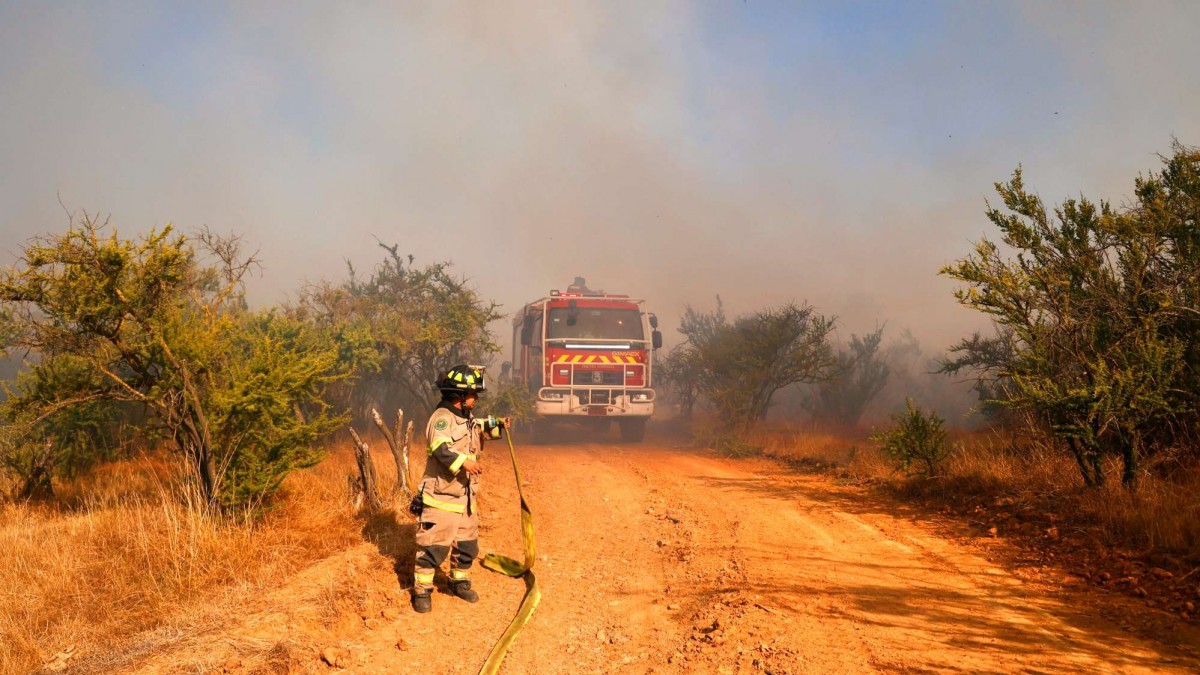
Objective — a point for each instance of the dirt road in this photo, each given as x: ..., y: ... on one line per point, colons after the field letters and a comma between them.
x: 661, y: 559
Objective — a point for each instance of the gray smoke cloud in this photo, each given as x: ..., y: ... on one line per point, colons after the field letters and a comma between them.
x: 674, y: 151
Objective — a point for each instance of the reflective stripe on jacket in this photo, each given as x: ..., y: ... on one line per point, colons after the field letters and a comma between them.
x: 452, y: 441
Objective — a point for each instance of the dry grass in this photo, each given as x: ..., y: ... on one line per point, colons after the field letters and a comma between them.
x: 1161, y: 516
x: 122, y: 552
x: 1160, y: 520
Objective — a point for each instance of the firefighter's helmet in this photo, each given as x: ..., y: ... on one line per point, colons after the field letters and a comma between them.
x: 463, y: 379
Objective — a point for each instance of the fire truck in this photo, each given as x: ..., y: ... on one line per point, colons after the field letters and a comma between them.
x: 586, y: 356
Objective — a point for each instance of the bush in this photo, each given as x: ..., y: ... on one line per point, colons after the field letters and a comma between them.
x: 738, y: 366
x: 160, y: 324
x: 728, y: 444
x: 409, y: 324
x: 1097, y: 315
x: 510, y: 399
x: 917, y: 442
x: 860, y: 375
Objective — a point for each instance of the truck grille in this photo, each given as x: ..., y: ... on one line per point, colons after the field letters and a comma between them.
x: 606, y: 377
x: 595, y: 396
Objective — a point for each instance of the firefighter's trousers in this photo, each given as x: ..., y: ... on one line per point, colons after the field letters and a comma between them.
x: 440, y: 533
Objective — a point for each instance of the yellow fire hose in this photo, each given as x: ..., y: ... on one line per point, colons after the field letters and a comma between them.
x: 508, y: 566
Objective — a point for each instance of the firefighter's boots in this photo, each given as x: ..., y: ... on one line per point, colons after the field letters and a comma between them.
x: 462, y: 589
x: 422, y: 600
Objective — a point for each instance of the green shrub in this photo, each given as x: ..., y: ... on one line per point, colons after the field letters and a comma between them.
x: 1095, y: 306
x: 738, y: 366
x: 917, y: 442
x: 730, y: 444
x: 160, y: 325
x: 510, y: 399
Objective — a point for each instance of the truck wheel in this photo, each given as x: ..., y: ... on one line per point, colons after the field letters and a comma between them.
x: 634, y: 430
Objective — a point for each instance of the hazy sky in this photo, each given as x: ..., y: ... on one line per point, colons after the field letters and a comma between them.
x: 836, y: 153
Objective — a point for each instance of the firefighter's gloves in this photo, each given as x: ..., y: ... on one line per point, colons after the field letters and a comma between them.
x: 493, y: 426
x: 473, y: 467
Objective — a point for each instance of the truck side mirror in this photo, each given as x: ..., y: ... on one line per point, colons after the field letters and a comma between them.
x: 527, y: 331
x: 656, y: 339
x: 653, y: 321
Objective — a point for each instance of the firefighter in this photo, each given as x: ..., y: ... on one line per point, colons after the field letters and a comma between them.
x: 448, y: 522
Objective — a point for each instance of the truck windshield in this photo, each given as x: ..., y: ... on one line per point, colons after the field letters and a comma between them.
x: 594, y: 323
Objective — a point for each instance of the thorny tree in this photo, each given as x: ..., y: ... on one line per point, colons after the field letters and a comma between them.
x: 148, y: 322
x: 738, y: 366
x: 1098, y: 311
x: 859, y: 376
x: 408, y: 325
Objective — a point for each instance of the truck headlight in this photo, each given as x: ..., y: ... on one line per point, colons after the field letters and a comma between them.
x: 641, y: 397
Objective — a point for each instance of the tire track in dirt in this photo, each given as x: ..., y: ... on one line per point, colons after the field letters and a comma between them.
x: 872, y: 602
x: 654, y: 559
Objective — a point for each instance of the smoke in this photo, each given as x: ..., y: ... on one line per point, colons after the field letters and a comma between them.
x: 666, y: 150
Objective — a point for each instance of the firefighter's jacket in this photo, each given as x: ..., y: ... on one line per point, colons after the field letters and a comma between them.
x: 453, y: 439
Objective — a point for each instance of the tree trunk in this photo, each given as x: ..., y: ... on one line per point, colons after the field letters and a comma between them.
x: 366, y: 471
x: 37, y: 484
x: 687, y: 401
x: 195, y: 446
x: 399, y: 452
x: 197, y: 423
x: 1084, y: 469
x: 1089, y: 460
x: 1130, y: 451
x: 404, y: 452
x: 1097, y: 468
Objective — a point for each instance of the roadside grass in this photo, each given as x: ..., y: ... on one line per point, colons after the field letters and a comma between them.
x: 125, y: 550
x: 1012, y: 481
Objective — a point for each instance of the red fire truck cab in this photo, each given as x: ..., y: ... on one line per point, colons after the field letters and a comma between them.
x: 586, y: 355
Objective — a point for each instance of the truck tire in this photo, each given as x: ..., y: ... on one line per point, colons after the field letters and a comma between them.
x: 633, y: 430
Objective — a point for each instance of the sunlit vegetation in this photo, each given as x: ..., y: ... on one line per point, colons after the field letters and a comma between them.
x: 122, y: 550
x: 1097, y: 311
x: 166, y: 446
x: 1021, y: 484
x: 152, y: 338
x: 158, y: 328
x: 1087, y: 387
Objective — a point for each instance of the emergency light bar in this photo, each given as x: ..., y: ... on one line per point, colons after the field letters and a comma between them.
x: 571, y: 346
x: 596, y: 295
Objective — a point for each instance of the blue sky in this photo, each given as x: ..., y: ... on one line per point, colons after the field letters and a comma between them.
x: 838, y: 153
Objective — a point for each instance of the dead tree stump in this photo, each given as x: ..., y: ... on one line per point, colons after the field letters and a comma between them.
x: 366, y: 471
x: 399, y: 451
x: 405, y: 445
